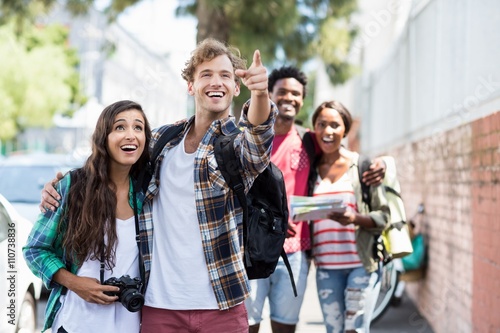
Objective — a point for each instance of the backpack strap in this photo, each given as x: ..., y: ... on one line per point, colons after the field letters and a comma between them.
x: 145, y: 175
x: 228, y: 166
x: 165, y: 137
x: 393, y: 191
x: 289, y: 269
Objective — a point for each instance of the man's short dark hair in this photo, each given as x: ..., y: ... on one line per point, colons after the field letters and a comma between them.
x: 286, y: 72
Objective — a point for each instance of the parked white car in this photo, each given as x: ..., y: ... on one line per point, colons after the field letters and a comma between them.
x: 19, y: 288
x: 22, y: 178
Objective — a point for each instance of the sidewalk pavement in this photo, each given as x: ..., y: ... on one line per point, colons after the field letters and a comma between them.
x: 402, y: 319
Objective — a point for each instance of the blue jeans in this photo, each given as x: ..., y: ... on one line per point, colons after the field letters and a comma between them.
x: 284, y: 306
x: 346, y: 297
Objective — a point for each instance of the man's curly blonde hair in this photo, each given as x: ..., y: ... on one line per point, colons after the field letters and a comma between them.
x: 207, y: 50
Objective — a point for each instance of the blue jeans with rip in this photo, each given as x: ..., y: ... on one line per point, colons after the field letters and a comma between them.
x: 346, y: 297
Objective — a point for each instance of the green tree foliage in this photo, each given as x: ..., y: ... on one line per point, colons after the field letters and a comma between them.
x: 285, y: 31
x: 38, y: 77
x: 27, y: 11
x: 291, y: 31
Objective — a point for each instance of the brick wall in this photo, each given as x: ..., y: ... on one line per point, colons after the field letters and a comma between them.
x: 486, y: 224
x: 456, y: 175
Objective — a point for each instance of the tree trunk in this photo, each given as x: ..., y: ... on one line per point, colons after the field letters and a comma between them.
x: 212, y: 22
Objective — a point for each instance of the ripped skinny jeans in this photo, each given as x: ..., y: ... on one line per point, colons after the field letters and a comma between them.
x: 347, y: 298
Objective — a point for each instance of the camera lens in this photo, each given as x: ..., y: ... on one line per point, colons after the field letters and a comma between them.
x: 132, y: 300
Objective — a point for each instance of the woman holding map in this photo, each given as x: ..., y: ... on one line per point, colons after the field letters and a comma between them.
x: 346, y: 271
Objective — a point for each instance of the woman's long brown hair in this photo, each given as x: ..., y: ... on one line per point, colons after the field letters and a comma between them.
x: 90, y: 213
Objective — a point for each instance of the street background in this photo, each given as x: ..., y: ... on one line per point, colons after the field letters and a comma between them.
x: 402, y: 319
x: 425, y: 89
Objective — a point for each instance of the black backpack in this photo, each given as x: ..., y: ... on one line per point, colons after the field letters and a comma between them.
x: 265, y: 207
x: 265, y: 212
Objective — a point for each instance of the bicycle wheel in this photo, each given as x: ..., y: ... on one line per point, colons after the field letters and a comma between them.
x: 388, y: 283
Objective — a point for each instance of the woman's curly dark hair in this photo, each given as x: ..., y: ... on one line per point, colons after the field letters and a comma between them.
x: 90, y: 213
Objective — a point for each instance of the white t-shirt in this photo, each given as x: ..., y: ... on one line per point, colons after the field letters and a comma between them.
x: 77, y: 315
x: 179, y: 277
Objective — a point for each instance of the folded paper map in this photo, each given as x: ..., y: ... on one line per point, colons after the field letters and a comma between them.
x: 314, y: 208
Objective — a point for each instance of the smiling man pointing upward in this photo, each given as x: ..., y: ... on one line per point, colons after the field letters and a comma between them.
x: 195, y: 277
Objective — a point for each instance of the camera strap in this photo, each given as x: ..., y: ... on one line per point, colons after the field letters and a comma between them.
x: 102, y: 267
x: 137, y: 240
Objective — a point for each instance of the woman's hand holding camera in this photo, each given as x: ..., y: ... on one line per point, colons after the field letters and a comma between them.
x: 89, y: 289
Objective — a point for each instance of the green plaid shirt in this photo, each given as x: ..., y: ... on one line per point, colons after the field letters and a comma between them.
x: 218, y: 210
x: 44, y: 253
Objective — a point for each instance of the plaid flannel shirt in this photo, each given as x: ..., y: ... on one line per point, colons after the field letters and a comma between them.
x: 44, y: 253
x: 219, y: 213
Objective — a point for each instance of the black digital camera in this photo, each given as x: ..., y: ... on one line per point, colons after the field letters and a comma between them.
x: 129, y: 294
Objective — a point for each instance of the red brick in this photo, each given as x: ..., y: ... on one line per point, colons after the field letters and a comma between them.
x: 495, y: 239
x: 496, y: 287
x: 495, y: 318
x: 496, y: 157
x: 495, y: 139
x: 481, y: 203
x: 480, y: 126
x: 486, y: 158
x: 476, y: 160
x: 486, y: 125
x: 497, y: 187
x: 496, y: 121
x: 452, y: 174
x: 480, y: 267
x: 491, y: 140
